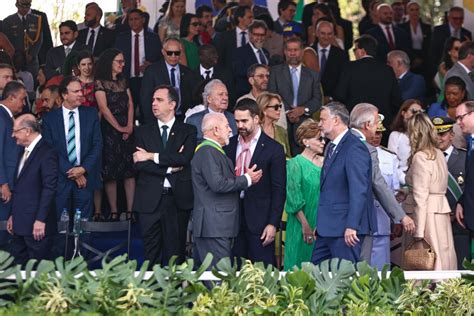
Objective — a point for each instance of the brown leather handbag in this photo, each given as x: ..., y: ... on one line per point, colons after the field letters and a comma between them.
x: 416, y: 258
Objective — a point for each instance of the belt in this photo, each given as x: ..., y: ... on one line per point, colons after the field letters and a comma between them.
x: 167, y: 191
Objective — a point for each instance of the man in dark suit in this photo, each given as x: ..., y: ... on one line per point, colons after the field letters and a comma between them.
x: 57, y: 55
x: 331, y: 58
x: 140, y: 49
x: 442, y: 32
x: 14, y: 95
x: 216, y: 191
x: 346, y: 205
x: 249, y: 54
x: 465, y: 205
x: 96, y: 37
x: 412, y: 86
x: 164, y: 196
x: 167, y: 71
x: 227, y: 42
x: 121, y: 23
x: 298, y: 86
x: 379, y: 87
x: 223, y: 19
x: 210, y: 69
x: 261, y: 205
x: 456, y: 159
x: 32, y: 220
x: 215, y: 99
x: 389, y: 37
x: 74, y: 132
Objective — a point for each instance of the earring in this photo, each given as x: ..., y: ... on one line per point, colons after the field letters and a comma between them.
x: 307, y: 146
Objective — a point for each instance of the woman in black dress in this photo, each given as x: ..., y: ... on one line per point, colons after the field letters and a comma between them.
x: 116, y: 106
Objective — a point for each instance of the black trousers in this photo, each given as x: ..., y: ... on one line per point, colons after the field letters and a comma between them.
x: 135, y: 86
x: 164, y: 231
x: 24, y: 248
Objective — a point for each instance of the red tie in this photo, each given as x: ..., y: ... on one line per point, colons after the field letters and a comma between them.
x: 136, y: 62
x: 391, y: 44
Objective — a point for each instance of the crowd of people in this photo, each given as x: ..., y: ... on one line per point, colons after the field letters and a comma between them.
x: 252, y: 136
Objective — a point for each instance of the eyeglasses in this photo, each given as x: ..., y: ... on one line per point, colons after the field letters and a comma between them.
x: 173, y: 52
x: 459, y: 118
x: 259, y: 34
x: 261, y: 76
x: 17, y: 130
x: 120, y: 61
x: 195, y: 24
x: 276, y: 107
x: 413, y: 111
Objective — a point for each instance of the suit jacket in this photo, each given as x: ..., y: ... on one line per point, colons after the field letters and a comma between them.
x: 9, y: 151
x: 152, y: 48
x: 196, y: 120
x: 216, y: 194
x: 263, y: 201
x: 35, y: 189
x: 402, y: 41
x: 467, y: 198
x: 457, y: 170
x: 346, y: 199
x: 47, y: 38
x: 380, y: 88
x: 221, y: 73
x: 426, y: 31
x: 336, y: 60
x: 56, y: 57
x: 105, y: 39
x: 309, y: 89
x: 226, y: 45
x: 121, y: 25
x: 157, y: 74
x: 244, y: 58
x: 459, y: 71
x: 440, y: 35
x: 91, y: 144
x: 178, y: 152
x: 412, y: 86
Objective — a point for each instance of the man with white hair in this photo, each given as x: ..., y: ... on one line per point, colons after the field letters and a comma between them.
x: 364, y: 119
x: 216, y: 99
x: 216, y: 191
x: 389, y: 37
x: 412, y: 86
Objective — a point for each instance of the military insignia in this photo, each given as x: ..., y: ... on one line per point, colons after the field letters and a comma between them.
x: 438, y: 121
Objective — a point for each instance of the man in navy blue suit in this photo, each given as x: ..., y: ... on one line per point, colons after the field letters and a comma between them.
x: 137, y: 57
x: 412, y: 86
x: 345, y: 210
x: 14, y: 95
x: 261, y: 205
x: 248, y: 55
x: 388, y: 36
x: 32, y: 219
x: 74, y: 132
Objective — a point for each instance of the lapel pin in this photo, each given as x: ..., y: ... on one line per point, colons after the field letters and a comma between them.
x: 172, y: 134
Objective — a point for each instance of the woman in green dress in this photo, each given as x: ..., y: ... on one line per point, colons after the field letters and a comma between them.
x: 188, y: 31
x: 302, y: 195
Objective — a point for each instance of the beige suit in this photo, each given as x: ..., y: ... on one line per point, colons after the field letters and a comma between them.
x: 427, y: 205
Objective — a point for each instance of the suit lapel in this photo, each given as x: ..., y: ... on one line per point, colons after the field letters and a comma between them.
x: 31, y: 157
x: 156, y: 136
x: 258, y: 149
x: 330, y: 162
x: 62, y: 133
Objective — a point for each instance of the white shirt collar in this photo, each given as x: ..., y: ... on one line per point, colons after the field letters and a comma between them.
x: 66, y: 111
x: 33, y: 144
x: 403, y: 75
x: 339, y: 137
x: 95, y: 29
x: 169, y: 123
x: 298, y: 68
x: 203, y: 70
x: 7, y: 109
x: 384, y: 27
x: 255, y: 137
x: 211, y: 140
x: 26, y: 15
x: 255, y: 50
x: 70, y: 46
x: 361, y: 135
x: 239, y: 30
x: 140, y: 34
x: 327, y: 48
x: 449, y: 151
x: 169, y: 67
x: 464, y: 67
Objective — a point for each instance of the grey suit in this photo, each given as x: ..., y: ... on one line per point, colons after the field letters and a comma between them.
x: 384, y: 195
x: 216, y: 203
x: 309, y: 93
x: 459, y: 71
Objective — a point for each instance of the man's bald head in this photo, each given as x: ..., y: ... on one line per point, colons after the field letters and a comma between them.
x: 216, y: 127
x: 25, y: 129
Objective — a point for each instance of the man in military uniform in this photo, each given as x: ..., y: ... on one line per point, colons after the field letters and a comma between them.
x: 456, y: 159
x: 24, y: 29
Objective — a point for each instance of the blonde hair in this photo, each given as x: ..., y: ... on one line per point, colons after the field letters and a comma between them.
x: 263, y: 100
x: 422, y: 135
x: 308, y: 129
x: 169, y: 12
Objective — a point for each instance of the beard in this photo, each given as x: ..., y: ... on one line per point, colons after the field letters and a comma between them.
x: 90, y: 23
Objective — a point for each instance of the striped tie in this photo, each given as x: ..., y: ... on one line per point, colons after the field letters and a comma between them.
x: 71, y: 140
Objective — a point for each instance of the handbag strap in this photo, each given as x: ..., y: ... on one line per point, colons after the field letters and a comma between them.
x: 422, y: 240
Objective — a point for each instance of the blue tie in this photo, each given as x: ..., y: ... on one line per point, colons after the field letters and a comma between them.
x: 295, y: 82
x: 173, y: 77
x: 470, y: 145
x: 243, y: 40
x: 261, y: 56
x: 323, y: 60
x: 71, y: 140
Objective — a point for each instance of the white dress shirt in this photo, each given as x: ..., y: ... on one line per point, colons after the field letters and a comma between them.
x: 28, y: 151
x: 77, y: 130
x: 156, y: 156
x: 141, y: 52
x: 177, y: 75
x: 257, y: 55
x: 70, y: 48
x: 96, y: 33
x: 320, y: 53
x: 203, y: 71
x: 238, y: 32
x: 416, y: 37
x: 448, y: 152
x: 384, y: 29
x: 400, y: 144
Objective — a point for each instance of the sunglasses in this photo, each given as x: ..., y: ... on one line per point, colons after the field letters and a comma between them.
x: 413, y: 111
x: 173, y: 52
x: 276, y: 107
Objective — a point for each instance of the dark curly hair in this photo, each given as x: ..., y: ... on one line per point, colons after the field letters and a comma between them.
x: 103, y: 69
